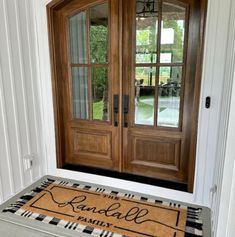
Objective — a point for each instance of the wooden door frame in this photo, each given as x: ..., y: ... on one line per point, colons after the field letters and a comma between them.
x: 59, y: 122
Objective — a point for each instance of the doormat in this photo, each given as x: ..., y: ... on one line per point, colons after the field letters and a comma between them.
x: 106, y: 213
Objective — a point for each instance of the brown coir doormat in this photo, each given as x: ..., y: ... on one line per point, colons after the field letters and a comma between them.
x: 105, y: 213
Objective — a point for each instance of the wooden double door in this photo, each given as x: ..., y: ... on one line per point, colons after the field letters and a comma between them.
x: 126, y: 83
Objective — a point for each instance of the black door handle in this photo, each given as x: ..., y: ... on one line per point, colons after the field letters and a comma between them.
x: 125, y: 109
x: 116, y: 109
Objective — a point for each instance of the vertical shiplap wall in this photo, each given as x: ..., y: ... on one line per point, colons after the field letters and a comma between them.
x: 20, y: 122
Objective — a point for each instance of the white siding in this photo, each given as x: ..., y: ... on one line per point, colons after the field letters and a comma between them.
x: 20, y: 133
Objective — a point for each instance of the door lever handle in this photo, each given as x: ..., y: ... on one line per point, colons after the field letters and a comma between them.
x: 125, y: 109
x: 116, y: 109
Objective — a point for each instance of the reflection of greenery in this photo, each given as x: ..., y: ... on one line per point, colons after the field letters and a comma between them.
x: 100, y: 89
x: 99, y: 55
x: 146, y: 43
x: 98, y: 43
x: 98, y: 110
x: 142, y: 37
x: 177, y: 48
x: 173, y: 74
x: 162, y: 109
x: 165, y: 71
x: 99, y: 78
x: 145, y: 110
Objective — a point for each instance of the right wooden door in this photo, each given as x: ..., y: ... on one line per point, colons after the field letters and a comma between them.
x: 161, y: 87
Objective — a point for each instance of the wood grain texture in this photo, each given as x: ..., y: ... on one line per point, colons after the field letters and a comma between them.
x: 92, y: 142
x: 157, y: 152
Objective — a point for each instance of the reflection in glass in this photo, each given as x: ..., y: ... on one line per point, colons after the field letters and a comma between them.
x: 146, y: 31
x: 172, y: 33
x: 78, y: 38
x: 100, y: 94
x: 144, y: 95
x: 80, y: 92
x: 169, y: 96
x: 99, y: 33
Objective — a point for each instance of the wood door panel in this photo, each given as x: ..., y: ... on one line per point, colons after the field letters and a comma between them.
x: 92, y: 147
x: 157, y: 152
x: 91, y: 142
x: 152, y: 156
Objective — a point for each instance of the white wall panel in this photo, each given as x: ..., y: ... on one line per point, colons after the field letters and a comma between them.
x: 6, y: 175
x: 29, y: 62
x: 20, y: 119
x: 10, y: 97
x: 35, y: 116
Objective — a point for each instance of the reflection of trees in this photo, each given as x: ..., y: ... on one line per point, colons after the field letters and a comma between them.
x: 176, y: 49
x: 99, y: 44
x: 99, y: 55
x: 100, y: 88
x: 146, y: 42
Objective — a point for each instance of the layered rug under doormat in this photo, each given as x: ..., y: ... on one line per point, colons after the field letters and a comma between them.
x: 106, y: 213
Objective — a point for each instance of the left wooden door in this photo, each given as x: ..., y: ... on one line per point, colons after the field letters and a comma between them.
x: 86, y: 81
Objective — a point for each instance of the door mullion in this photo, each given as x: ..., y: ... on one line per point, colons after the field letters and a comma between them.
x: 158, y: 62
x: 89, y: 68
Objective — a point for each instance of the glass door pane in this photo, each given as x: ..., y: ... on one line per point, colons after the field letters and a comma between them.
x: 78, y: 38
x: 146, y: 59
x: 172, y: 33
x: 78, y: 56
x: 99, y: 50
x: 80, y: 92
x: 99, y: 33
x: 159, y: 62
x: 144, y: 95
x: 100, y: 94
x: 169, y: 96
x: 89, y: 61
x: 146, y: 33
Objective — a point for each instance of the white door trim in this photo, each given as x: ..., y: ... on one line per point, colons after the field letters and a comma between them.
x: 213, y: 72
